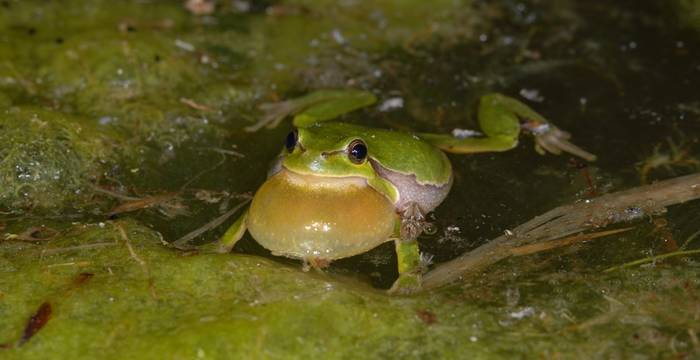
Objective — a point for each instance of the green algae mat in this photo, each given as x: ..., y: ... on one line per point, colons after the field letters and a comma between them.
x: 122, y: 131
x: 115, y: 291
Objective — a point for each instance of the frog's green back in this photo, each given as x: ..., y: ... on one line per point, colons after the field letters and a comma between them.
x: 397, y: 151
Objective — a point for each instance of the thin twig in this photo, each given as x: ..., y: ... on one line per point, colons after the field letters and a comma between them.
x: 182, y: 242
x: 553, y: 244
x: 197, y: 106
x: 653, y: 259
x: 113, y: 194
x: 144, y: 203
x: 223, y: 151
x: 33, y: 234
x: 141, y: 262
x: 201, y: 173
x: 72, y: 263
x: 624, y: 206
x: 689, y: 240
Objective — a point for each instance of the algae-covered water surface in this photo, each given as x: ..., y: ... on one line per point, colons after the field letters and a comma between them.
x: 122, y: 130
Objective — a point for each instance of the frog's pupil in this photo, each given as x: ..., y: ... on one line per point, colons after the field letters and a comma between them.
x: 358, y: 151
x: 291, y: 141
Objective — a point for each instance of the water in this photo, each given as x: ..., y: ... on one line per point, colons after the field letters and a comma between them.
x: 621, y: 77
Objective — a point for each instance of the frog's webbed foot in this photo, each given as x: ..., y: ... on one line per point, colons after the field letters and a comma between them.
x: 407, y: 284
x: 320, y: 105
x: 273, y: 114
x: 412, y: 222
x: 549, y: 138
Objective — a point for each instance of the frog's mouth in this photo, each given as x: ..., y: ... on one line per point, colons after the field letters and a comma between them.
x: 315, y: 181
x: 329, y: 183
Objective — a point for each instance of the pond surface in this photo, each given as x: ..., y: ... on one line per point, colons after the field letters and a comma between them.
x: 145, y: 103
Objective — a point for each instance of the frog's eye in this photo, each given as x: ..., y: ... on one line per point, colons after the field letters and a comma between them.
x: 357, y: 151
x: 292, y: 139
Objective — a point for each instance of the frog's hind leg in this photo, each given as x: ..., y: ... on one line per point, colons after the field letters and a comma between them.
x: 408, y: 258
x: 411, y: 227
x: 502, y: 119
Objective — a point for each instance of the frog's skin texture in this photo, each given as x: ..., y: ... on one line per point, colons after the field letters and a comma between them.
x: 322, y: 152
x: 339, y: 190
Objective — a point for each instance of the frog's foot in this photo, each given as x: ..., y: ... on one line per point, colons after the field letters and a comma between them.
x: 208, y: 248
x: 549, y: 138
x: 317, y: 264
x: 413, y: 222
x: 406, y: 284
x: 273, y: 114
x: 321, y: 105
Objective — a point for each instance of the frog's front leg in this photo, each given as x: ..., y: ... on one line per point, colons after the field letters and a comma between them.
x: 501, y: 119
x: 321, y: 105
x: 234, y: 233
x: 410, y: 228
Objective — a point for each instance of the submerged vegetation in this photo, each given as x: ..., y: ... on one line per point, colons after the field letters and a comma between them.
x: 47, y: 158
x: 122, y: 130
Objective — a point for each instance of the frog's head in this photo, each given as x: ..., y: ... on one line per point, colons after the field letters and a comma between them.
x: 392, y: 163
x: 328, y: 151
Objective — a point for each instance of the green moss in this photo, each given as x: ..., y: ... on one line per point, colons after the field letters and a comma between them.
x: 129, y: 65
x: 47, y: 159
x: 689, y: 12
x: 105, y: 71
x: 4, y: 101
x: 152, y: 301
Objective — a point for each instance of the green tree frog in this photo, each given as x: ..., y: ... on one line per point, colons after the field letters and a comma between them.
x: 338, y: 190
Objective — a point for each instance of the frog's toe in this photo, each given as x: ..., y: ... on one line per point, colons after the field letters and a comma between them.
x: 273, y: 114
x: 553, y: 140
x: 220, y: 248
x: 548, y: 145
x: 208, y: 248
x: 406, y: 284
x: 557, y: 144
x: 575, y: 150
